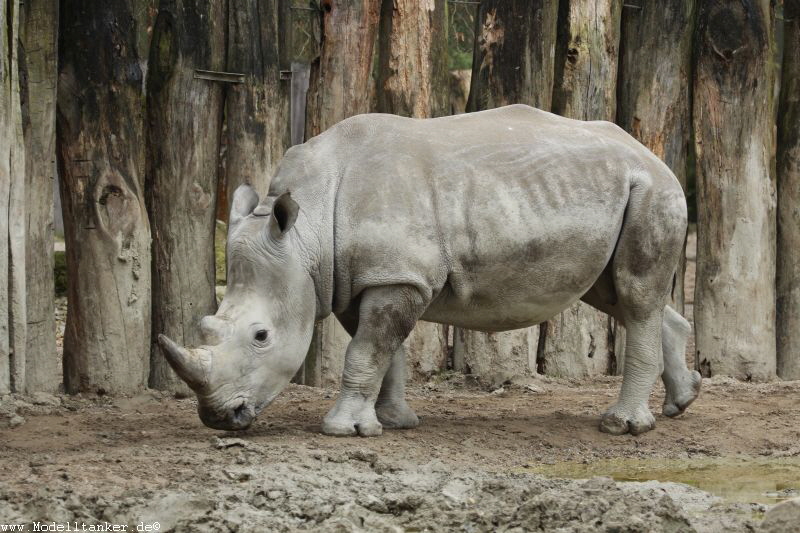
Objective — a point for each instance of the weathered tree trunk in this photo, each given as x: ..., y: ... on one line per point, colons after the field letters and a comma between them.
x: 460, y: 81
x: 184, y: 116
x: 413, y: 77
x: 13, y: 317
x: 586, y: 59
x: 39, y: 38
x: 788, y: 252
x: 513, y: 58
x: 257, y: 111
x: 101, y: 166
x: 512, y: 64
x: 653, y: 92
x: 495, y: 358
x: 580, y: 341
x: 340, y: 78
x: 339, y: 87
x: 426, y: 350
x: 735, y: 143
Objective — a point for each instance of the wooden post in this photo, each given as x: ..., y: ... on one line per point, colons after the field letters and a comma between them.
x: 340, y: 77
x: 580, y: 341
x: 653, y: 87
x: 100, y: 141
x: 734, y: 123
x: 512, y: 64
x: 413, y: 77
x: 184, y: 113
x: 788, y: 252
x: 39, y: 38
x: 495, y: 358
x: 257, y: 111
x: 13, y: 319
x: 339, y: 87
x: 513, y: 57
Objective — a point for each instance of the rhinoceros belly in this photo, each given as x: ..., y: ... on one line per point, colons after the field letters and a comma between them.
x: 511, y: 278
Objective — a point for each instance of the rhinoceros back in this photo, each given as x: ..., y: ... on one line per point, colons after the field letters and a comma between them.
x: 488, y: 214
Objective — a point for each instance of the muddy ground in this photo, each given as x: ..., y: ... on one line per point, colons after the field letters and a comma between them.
x: 476, y: 463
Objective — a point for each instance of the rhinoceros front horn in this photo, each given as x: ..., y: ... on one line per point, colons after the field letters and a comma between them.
x: 183, y: 362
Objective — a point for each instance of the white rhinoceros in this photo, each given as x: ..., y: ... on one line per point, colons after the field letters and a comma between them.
x: 490, y: 221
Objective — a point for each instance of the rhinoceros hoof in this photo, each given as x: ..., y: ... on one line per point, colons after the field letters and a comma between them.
x: 351, y: 429
x: 684, y: 392
x: 619, y: 420
x: 352, y: 417
x: 396, y: 415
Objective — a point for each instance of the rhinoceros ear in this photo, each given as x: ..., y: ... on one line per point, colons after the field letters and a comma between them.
x: 245, y: 200
x: 284, y: 214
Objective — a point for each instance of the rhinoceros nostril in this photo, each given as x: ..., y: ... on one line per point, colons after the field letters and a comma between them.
x: 240, y: 412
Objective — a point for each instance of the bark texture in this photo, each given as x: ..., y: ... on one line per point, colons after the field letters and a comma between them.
x: 101, y: 165
x: 13, y: 319
x: 340, y: 77
x: 184, y: 127
x: 577, y: 343
x: 495, y: 358
x: 735, y: 143
x: 653, y: 88
x: 340, y: 86
x: 788, y: 250
x: 514, y: 53
x: 580, y: 341
x: 426, y: 350
x: 586, y: 59
x: 39, y: 55
x: 257, y: 111
x: 459, y: 90
x: 413, y: 77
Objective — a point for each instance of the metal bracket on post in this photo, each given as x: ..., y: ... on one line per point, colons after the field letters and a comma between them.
x: 214, y: 75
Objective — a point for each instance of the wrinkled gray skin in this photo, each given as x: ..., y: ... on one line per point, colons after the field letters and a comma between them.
x: 489, y: 221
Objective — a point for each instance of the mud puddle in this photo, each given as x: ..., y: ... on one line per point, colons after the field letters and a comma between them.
x: 734, y: 480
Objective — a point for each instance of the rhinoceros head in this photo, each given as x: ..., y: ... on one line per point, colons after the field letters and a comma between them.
x: 259, y: 337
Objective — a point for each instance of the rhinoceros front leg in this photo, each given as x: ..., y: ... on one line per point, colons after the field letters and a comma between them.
x: 385, y: 318
x: 391, y: 407
x: 643, y: 363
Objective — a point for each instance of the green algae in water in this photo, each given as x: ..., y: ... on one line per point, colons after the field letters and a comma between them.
x: 735, y: 480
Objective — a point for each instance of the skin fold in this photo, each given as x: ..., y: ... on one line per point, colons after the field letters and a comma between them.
x: 490, y: 221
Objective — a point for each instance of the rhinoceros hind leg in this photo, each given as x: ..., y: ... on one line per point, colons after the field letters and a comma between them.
x: 642, y: 364
x: 386, y: 316
x: 648, y: 249
x: 681, y: 384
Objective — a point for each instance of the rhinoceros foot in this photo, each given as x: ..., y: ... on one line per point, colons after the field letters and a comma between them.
x: 351, y: 416
x: 396, y: 415
x: 621, y: 419
x: 681, y: 393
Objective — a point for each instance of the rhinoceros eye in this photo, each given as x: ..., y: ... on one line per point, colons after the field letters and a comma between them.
x: 261, y: 335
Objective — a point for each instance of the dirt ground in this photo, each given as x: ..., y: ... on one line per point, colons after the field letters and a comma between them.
x: 476, y: 462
